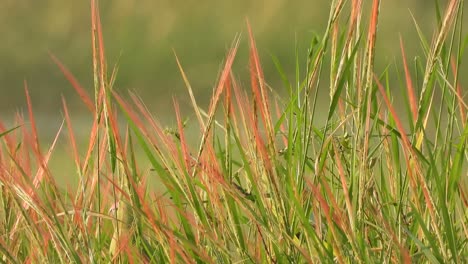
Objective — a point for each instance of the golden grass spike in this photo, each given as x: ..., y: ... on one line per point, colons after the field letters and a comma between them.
x: 431, y: 63
x: 190, y: 91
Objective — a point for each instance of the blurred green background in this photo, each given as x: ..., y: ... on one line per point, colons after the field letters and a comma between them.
x: 140, y: 35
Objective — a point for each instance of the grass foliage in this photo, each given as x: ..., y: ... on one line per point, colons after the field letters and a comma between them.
x: 382, y: 181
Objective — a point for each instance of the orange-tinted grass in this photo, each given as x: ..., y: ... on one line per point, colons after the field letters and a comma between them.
x: 35, y: 137
x: 409, y: 84
x: 260, y: 93
x: 405, y: 255
x: 23, y: 156
x: 407, y: 147
x: 77, y: 217
x: 168, y: 142
x: 344, y: 187
x: 258, y: 140
x: 71, y: 135
x: 44, y: 168
x: 210, y: 165
x: 93, y: 175
x: 228, y: 98
x: 157, y: 133
x: 356, y: 9
x: 215, y: 99
x: 370, y: 56
x: 124, y: 243
x: 399, y: 124
x: 412, y: 164
x: 7, y: 137
x: 242, y: 105
x: 330, y: 214
x: 92, y: 141
x: 97, y: 48
x: 75, y: 84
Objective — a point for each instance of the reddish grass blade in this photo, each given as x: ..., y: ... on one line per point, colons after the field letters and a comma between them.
x: 32, y: 120
x: 411, y: 163
x: 44, y: 169
x: 99, y: 67
x: 370, y: 56
x: 93, y: 41
x: 344, y: 186
x: 74, y: 82
x: 92, y: 143
x: 71, y: 134
x: 157, y: 132
x: 23, y: 155
x: 409, y: 84
x: 218, y: 91
x: 102, y: 60
x: 42, y: 161
x: 367, y: 92
x: 258, y: 88
x: 399, y: 124
x: 356, y: 8
x: 329, y: 213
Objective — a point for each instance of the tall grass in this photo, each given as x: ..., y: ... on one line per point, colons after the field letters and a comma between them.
x: 265, y: 182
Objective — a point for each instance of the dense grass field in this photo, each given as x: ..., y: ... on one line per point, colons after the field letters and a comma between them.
x: 379, y: 175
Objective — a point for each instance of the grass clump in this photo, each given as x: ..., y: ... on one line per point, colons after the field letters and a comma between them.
x: 265, y: 183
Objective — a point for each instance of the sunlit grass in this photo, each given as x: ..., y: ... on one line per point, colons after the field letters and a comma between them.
x: 265, y: 181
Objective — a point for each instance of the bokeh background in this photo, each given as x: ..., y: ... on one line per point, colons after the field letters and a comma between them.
x: 140, y: 36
